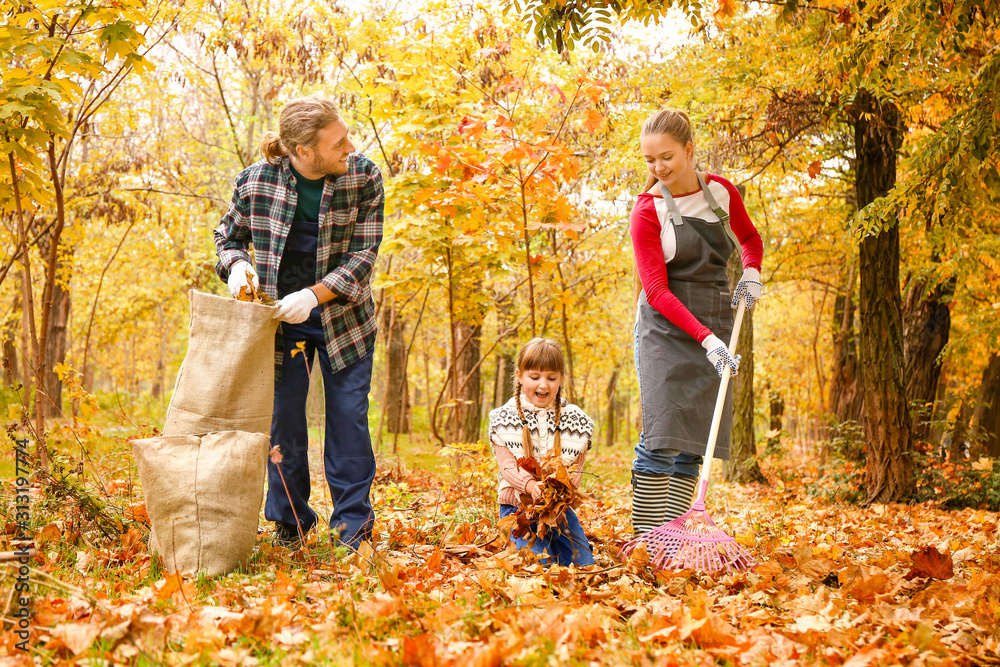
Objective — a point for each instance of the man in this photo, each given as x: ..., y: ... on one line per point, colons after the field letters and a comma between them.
x: 313, y: 211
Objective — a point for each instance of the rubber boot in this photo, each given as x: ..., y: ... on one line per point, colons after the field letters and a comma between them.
x: 649, y: 496
x: 680, y: 495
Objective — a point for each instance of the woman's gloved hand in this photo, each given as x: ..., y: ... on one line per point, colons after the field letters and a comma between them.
x: 238, y: 277
x: 295, y: 307
x: 749, y: 288
x: 718, y: 355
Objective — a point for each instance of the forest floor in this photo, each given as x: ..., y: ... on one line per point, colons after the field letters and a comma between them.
x: 835, y: 583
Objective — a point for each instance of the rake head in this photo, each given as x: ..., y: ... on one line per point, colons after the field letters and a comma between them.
x: 692, y: 541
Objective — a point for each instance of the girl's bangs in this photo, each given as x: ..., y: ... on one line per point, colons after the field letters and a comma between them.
x: 545, y: 356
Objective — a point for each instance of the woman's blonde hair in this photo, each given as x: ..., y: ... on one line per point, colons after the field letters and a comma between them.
x: 667, y: 121
x: 298, y: 125
x: 540, y: 354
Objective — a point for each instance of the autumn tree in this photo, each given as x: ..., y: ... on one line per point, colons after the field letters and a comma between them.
x: 68, y: 62
x: 481, y: 151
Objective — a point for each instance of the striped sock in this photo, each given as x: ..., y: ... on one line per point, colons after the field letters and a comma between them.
x: 680, y: 495
x: 649, y: 495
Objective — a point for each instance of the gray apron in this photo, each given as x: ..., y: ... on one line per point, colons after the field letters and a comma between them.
x: 677, y: 385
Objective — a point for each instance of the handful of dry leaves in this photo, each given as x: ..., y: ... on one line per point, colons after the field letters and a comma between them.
x: 549, y: 511
x: 255, y: 294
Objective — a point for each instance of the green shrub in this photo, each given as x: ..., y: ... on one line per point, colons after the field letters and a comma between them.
x: 957, y: 484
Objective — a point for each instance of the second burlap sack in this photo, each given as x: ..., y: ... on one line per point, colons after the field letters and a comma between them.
x: 226, y: 382
x: 203, y: 496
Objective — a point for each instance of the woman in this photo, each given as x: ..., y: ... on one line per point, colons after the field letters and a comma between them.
x: 684, y: 227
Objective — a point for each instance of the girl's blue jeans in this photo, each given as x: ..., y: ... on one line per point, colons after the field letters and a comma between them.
x: 565, y: 546
x: 661, y: 462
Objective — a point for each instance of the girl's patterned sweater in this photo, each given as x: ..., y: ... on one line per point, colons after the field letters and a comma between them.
x: 505, y: 430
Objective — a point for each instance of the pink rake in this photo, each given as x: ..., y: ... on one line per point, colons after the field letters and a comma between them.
x: 692, y: 540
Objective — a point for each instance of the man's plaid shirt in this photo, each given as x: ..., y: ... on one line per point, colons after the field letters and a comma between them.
x: 350, y: 230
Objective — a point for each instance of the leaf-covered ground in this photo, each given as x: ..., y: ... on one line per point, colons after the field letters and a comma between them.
x: 836, y: 584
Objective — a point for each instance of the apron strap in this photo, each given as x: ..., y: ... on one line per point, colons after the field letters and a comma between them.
x: 717, y: 210
x: 712, y: 203
x: 675, y: 213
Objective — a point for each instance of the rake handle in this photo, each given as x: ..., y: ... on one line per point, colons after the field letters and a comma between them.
x: 720, y: 404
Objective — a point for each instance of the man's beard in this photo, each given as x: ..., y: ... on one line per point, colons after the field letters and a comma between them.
x: 326, y: 167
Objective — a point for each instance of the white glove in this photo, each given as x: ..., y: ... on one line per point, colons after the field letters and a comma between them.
x: 749, y: 288
x: 295, y: 307
x: 238, y: 277
x: 718, y: 355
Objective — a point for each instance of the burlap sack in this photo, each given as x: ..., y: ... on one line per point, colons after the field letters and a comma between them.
x: 203, y: 496
x: 226, y: 382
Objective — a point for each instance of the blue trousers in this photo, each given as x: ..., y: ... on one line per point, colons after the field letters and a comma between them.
x: 348, y: 459
x: 665, y: 462
x: 566, y: 546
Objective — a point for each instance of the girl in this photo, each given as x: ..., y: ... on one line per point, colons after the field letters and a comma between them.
x: 534, y: 422
x: 683, y: 230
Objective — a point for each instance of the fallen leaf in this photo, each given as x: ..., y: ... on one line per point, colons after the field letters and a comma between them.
x: 662, y: 630
x: 865, y: 657
x: 49, y: 533
x: 810, y: 623
x: 714, y: 632
x: 419, y: 651
x: 861, y: 584
x: 932, y: 564
x: 769, y: 568
x: 137, y: 512
x: 77, y: 637
x: 291, y: 637
x: 174, y: 586
x: 84, y: 561
x: 381, y: 605
x: 388, y: 575
x: 814, y: 567
x: 433, y: 564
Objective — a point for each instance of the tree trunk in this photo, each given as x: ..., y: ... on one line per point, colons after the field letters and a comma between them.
x: 28, y: 317
x: 742, y: 466
x: 508, y: 378
x: 467, y: 405
x: 9, y: 360
x: 959, y: 432
x: 505, y: 379
x: 926, y: 326
x: 777, y: 412
x: 397, y: 401
x: 889, y: 469
x: 943, y: 402
x: 527, y: 259
x: 986, y: 418
x: 55, y: 351
x: 569, y: 393
x: 27, y: 375
x: 428, y: 397
x: 10, y: 366
x: 845, y: 399
x: 159, y: 386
